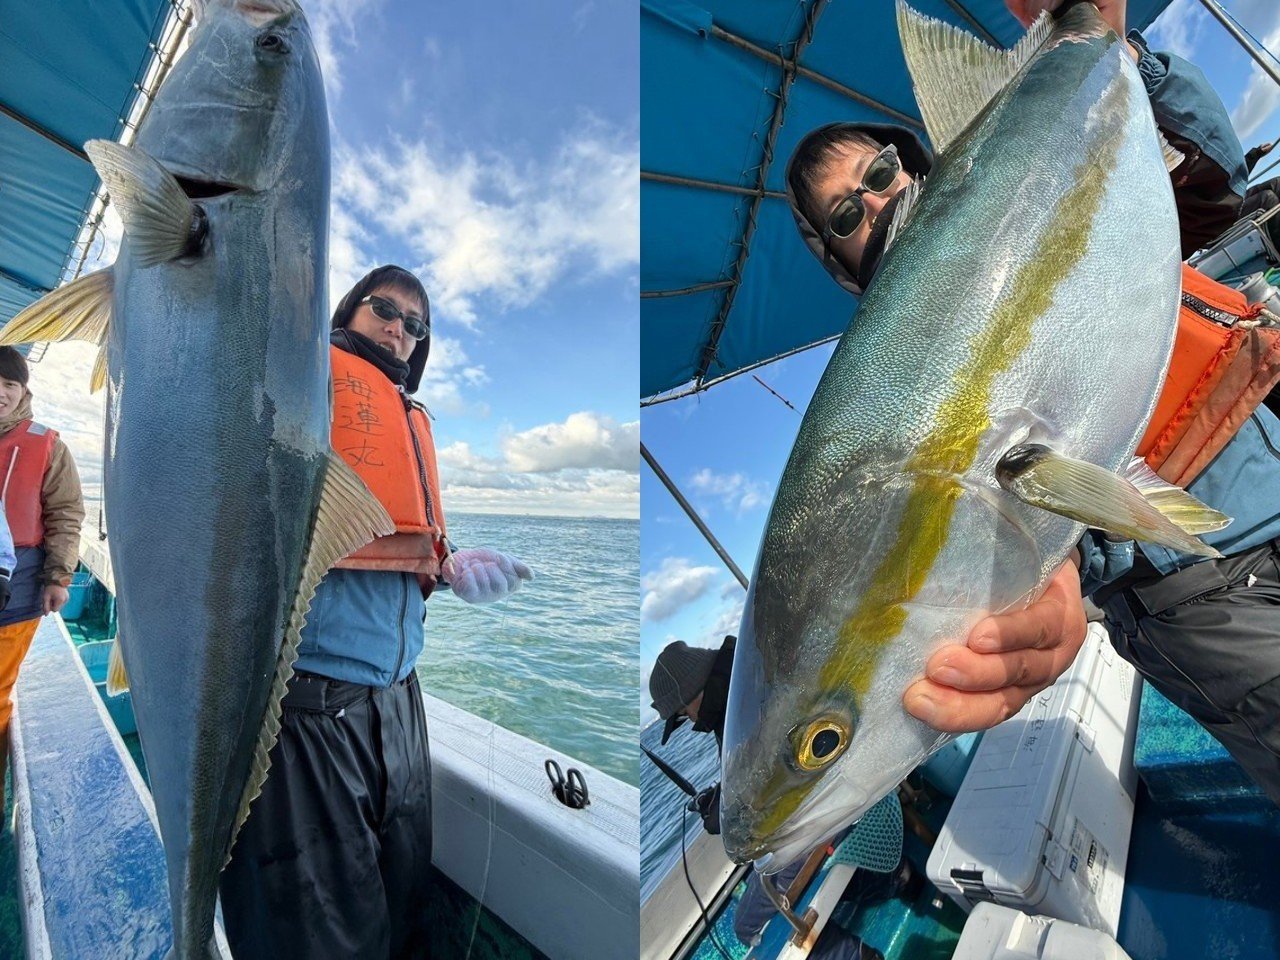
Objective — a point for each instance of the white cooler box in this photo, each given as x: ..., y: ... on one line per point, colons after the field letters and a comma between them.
x: 1002, y: 933
x: 1042, y: 820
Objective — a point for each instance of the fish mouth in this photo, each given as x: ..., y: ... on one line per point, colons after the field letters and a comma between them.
x: 798, y: 835
x: 197, y: 189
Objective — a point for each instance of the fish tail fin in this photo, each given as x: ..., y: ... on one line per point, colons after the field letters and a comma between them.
x: 117, y: 679
x: 348, y: 516
x: 160, y: 221
x: 955, y: 75
x: 79, y: 310
x: 1139, y: 505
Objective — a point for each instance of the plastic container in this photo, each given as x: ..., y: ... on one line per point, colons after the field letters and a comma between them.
x: 1043, y: 818
x: 77, y: 595
x: 1002, y: 933
x: 946, y: 769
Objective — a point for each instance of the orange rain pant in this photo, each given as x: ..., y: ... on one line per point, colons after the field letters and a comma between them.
x: 15, y: 640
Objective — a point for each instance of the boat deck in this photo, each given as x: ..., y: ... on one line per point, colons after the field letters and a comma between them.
x: 86, y: 842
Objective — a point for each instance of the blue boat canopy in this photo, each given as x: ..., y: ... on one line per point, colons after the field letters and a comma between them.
x: 71, y: 72
x: 726, y: 284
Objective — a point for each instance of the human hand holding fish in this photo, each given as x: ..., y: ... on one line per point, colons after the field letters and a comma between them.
x: 1113, y: 13
x: 480, y: 575
x: 1006, y: 660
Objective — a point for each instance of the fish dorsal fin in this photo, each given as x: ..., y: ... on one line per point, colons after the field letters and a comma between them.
x: 955, y: 74
x: 1137, y: 506
x: 117, y: 679
x: 98, y: 379
x: 159, y: 219
x: 348, y: 517
x: 906, y: 203
x: 79, y: 310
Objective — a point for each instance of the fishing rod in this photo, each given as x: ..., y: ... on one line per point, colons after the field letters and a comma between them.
x: 670, y: 771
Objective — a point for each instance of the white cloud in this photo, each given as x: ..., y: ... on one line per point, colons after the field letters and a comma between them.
x: 334, y: 25
x: 584, y: 440
x: 580, y: 466
x: 674, y: 585
x: 448, y: 370
x: 734, y: 490
x: 1262, y: 95
x: 495, y: 229
x: 60, y: 385
x: 1177, y: 29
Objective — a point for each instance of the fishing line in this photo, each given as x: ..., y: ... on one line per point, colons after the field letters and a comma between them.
x: 684, y: 859
x: 488, y: 857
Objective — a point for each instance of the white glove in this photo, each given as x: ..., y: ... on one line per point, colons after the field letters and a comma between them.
x: 480, y: 575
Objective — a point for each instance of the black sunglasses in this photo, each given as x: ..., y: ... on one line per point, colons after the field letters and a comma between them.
x: 877, y: 178
x: 415, y: 327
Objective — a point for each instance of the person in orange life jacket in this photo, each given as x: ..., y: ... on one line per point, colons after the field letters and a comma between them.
x: 40, y: 489
x: 1176, y: 620
x: 335, y: 859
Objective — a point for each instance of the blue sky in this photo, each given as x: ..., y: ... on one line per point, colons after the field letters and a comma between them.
x: 492, y: 149
x: 726, y: 448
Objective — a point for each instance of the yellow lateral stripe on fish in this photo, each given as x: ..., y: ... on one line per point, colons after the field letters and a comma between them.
x: 949, y: 449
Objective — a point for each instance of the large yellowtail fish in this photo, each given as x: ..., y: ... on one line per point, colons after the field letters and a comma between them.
x: 225, y: 501
x: 983, y: 407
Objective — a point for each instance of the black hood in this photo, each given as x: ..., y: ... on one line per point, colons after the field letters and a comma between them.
x: 916, y: 159
x: 397, y: 276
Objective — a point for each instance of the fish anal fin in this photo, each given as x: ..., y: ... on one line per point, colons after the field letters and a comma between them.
x: 79, y: 310
x: 955, y: 75
x: 348, y: 517
x: 117, y: 679
x: 1138, y: 506
x: 160, y: 221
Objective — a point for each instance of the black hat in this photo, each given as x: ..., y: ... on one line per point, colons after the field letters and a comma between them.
x: 393, y: 276
x: 13, y: 366
x: 678, y: 676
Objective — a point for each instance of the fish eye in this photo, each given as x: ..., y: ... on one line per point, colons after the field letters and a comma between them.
x: 272, y: 43
x: 820, y: 743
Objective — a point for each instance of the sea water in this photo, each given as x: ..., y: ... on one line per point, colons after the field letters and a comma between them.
x: 695, y: 757
x: 558, y: 661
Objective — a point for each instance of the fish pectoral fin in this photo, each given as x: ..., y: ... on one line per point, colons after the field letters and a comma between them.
x: 79, y: 310
x: 348, y: 517
x: 160, y: 221
x: 955, y: 75
x: 117, y: 679
x: 1138, y: 506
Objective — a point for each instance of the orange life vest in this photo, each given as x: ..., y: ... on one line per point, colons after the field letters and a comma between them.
x: 386, y: 438
x: 1224, y: 364
x: 24, y: 459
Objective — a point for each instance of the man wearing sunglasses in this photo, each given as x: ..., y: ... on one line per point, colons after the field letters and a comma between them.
x: 844, y: 181
x: 334, y: 861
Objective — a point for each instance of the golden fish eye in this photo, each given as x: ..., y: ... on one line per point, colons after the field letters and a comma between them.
x: 822, y: 742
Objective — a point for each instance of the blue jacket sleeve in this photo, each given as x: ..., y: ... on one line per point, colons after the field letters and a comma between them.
x: 1102, y: 560
x: 8, y: 558
x: 1209, y: 184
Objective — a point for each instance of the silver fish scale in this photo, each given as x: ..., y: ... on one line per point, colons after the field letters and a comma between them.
x: 1085, y: 386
